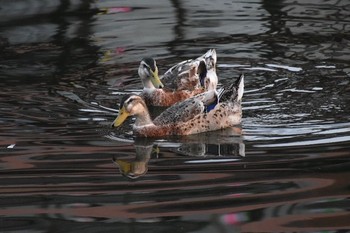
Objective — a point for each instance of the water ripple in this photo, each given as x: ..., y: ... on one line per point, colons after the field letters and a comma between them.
x: 65, y: 66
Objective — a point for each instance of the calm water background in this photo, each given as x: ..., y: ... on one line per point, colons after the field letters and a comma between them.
x: 64, y: 66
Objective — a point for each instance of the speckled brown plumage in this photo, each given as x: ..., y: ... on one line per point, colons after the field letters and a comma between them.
x: 166, y: 98
x: 183, y: 80
x: 187, y: 117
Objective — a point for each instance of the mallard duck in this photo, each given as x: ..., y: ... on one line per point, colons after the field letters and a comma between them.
x: 183, y: 80
x: 204, y: 112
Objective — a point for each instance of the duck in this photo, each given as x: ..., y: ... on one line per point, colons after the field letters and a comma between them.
x: 207, y: 111
x: 181, y: 81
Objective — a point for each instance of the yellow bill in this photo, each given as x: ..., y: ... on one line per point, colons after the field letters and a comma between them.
x: 121, y: 117
x: 124, y: 166
x: 156, y: 80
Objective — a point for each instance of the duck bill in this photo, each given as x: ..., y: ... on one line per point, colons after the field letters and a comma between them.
x: 125, y: 167
x: 156, y: 80
x: 121, y: 117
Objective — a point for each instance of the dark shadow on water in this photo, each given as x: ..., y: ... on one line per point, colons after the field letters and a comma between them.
x: 276, y: 16
x: 64, y: 54
x: 180, y: 14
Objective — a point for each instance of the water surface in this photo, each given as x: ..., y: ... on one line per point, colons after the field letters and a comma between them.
x: 65, y: 65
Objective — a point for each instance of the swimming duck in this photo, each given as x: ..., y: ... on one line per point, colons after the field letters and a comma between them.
x: 208, y: 111
x: 183, y: 80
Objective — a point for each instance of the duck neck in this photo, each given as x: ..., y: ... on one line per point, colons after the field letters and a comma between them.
x: 143, y: 118
x: 147, y: 84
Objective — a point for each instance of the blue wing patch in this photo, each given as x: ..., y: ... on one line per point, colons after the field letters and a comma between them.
x: 212, y: 105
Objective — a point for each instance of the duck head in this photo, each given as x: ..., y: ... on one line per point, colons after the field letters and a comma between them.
x: 132, y: 105
x: 148, y: 72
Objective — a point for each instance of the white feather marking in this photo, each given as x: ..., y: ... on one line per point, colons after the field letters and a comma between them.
x: 240, y: 89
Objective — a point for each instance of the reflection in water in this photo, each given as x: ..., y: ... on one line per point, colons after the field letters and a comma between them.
x: 276, y: 16
x: 138, y: 166
x: 218, y: 146
x: 227, y: 142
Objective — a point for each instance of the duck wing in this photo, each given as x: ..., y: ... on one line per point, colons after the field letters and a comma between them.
x: 210, y: 59
x: 185, y: 75
x: 211, y: 79
x: 188, y: 109
x: 234, y: 92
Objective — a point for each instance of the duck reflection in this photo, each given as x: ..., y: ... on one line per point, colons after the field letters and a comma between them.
x: 204, y: 150
x: 224, y: 143
x: 227, y: 142
x: 138, y: 166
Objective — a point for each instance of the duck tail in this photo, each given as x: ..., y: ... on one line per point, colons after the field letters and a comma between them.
x: 234, y: 92
x: 211, y: 53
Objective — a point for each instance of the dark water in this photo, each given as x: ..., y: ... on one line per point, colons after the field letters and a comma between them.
x: 64, y: 65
